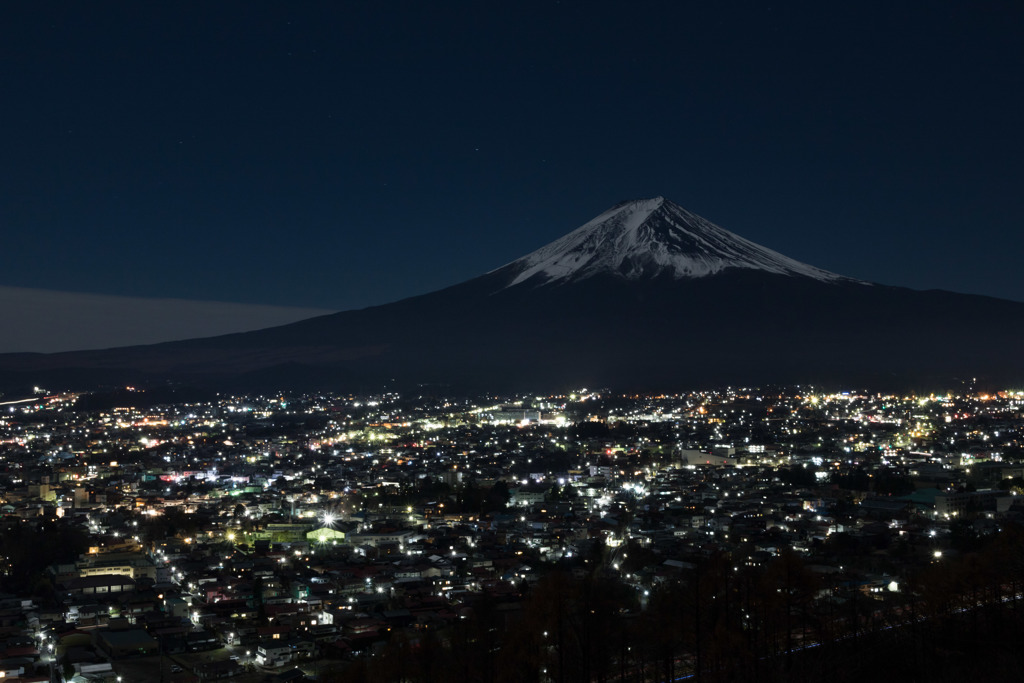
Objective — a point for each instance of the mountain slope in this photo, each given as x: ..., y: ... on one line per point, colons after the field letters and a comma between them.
x: 647, y: 296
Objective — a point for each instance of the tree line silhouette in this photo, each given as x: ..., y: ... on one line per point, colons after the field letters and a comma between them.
x: 722, y: 618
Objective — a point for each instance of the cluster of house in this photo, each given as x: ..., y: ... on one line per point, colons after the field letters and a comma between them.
x: 267, y: 534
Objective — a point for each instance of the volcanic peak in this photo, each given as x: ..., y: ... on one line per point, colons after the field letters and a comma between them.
x: 646, y: 238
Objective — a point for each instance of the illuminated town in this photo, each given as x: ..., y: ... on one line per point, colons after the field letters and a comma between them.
x: 590, y: 536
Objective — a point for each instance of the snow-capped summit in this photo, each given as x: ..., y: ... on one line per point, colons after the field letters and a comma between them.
x: 651, y: 237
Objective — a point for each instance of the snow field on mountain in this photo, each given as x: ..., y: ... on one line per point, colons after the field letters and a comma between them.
x: 651, y: 237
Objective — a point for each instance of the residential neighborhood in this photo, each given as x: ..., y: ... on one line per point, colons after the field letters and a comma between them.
x: 302, y: 537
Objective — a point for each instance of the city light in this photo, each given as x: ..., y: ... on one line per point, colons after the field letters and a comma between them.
x: 473, y: 510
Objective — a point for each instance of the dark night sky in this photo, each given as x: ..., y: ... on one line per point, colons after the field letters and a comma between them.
x: 341, y: 154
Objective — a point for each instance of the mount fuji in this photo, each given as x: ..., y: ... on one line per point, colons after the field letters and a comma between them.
x: 646, y: 296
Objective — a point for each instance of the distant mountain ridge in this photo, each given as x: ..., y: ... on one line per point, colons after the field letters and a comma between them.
x: 646, y: 296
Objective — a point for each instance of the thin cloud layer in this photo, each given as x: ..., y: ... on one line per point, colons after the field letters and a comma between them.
x: 44, y: 321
